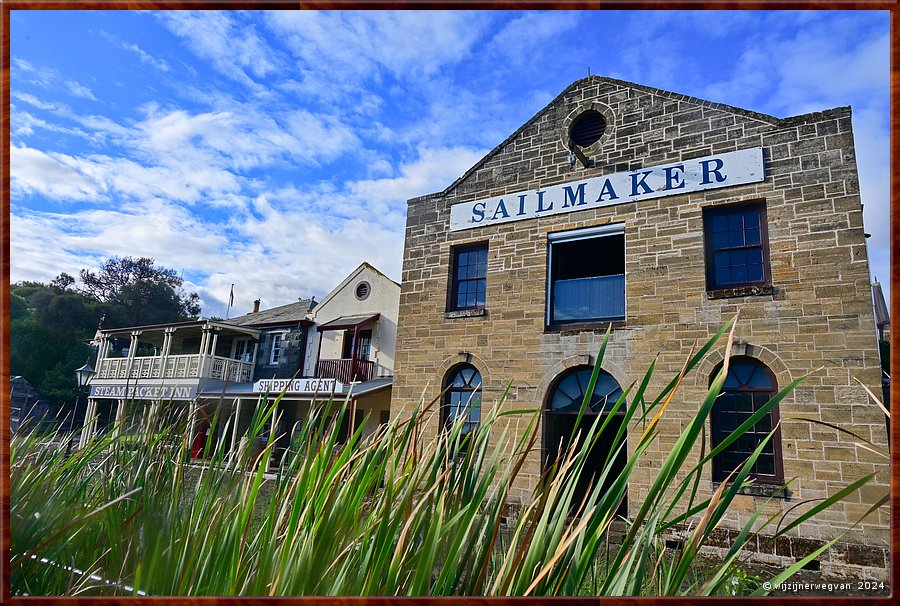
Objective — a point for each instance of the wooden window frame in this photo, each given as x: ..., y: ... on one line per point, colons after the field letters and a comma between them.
x: 453, y: 294
x: 280, y: 334
x: 718, y: 473
x: 763, y: 286
x: 446, y: 419
x: 551, y: 324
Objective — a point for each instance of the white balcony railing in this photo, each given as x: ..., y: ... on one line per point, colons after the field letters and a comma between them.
x: 192, y: 366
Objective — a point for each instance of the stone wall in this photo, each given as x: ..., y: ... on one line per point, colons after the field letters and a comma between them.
x: 817, y: 321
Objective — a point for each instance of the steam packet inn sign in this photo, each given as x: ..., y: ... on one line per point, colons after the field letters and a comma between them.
x: 144, y: 392
x: 710, y: 172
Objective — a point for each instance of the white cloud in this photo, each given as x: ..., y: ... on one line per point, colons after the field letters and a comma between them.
x: 97, y: 177
x: 80, y: 90
x: 523, y: 39
x: 363, y: 44
x: 53, y: 175
x: 32, y: 100
x: 233, y: 48
x: 144, y: 56
x: 45, y: 244
x: 324, y: 137
x: 23, y: 124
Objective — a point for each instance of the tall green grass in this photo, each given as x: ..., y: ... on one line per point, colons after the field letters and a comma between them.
x: 389, y: 514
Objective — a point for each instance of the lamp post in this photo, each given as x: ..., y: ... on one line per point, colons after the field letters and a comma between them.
x: 83, y: 376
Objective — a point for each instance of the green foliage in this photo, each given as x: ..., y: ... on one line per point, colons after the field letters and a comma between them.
x: 145, y: 291
x: 51, y: 324
x: 389, y: 514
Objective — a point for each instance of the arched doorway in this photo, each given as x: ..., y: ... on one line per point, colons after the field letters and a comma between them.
x: 560, y: 417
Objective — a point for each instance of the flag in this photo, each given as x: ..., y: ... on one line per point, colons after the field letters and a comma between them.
x: 231, y: 296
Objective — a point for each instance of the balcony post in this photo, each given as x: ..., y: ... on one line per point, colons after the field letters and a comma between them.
x: 204, y: 347
x: 89, y: 423
x: 255, y: 351
x: 354, y: 356
x: 132, y: 351
x: 237, y: 423
x: 318, y: 353
x: 120, y: 419
x: 215, y: 341
x: 167, y: 349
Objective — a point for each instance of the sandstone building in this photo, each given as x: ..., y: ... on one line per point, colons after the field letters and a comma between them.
x: 663, y: 215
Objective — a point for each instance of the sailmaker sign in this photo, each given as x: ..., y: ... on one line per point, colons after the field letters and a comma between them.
x: 711, y: 172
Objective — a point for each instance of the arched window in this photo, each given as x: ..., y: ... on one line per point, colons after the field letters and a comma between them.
x: 563, y: 428
x: 748, y: 386
x: 463, y: 397
x: 568, y: 393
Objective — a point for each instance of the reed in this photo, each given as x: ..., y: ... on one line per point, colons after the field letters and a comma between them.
x: 386, y: 514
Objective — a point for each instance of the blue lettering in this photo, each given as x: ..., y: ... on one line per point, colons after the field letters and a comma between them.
x: 570, y: 196
x: 635, y: 183
x: 607, y: 190
x: 501, y: 207
x: 674, y: 181
x: 707, y: 171
x: 521, y: 205
x: 478, y: 212
x: 540, y: 207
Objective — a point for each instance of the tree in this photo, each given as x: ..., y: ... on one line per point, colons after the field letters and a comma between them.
x: 52, y: 324
x: 149, y: 294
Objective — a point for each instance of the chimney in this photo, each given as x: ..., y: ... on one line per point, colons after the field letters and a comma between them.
x: 256, y: 306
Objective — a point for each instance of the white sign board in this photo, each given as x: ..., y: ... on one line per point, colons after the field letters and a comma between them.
x: 711, y: 172
x: 143, y: 392
x: 311, y: 386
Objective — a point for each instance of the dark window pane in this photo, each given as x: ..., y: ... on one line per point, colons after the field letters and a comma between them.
x: 751, y: 219
x: 739, y: 274
x: 743, y: 402
x: 754, y: 273
x: 751, y: 237
x: 723, y: 276
x: 760, y: 380
x: 736, y: 238
x: 720, y: 239
x: 735, y: 222
x: 720, y: 223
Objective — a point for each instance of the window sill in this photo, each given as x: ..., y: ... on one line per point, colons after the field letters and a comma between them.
x: 741, y: 291
x: 758, y: 489
x: 466, y: 313
x: 576, y: 327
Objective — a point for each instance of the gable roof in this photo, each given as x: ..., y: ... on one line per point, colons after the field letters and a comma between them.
x: 284, y: 314
x: 622, y: 84
x: 351, y: 276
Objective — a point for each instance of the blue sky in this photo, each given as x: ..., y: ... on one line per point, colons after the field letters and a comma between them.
x: 276, y: 150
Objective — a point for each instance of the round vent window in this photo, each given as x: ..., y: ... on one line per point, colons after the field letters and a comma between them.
x: 587, y: 128
x: 362, y: 290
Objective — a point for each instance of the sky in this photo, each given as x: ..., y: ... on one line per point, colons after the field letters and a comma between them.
x: 276, y: 151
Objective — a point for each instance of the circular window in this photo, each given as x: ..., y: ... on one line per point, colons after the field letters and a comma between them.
x: 362, y: 290
x: 587, y: 128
